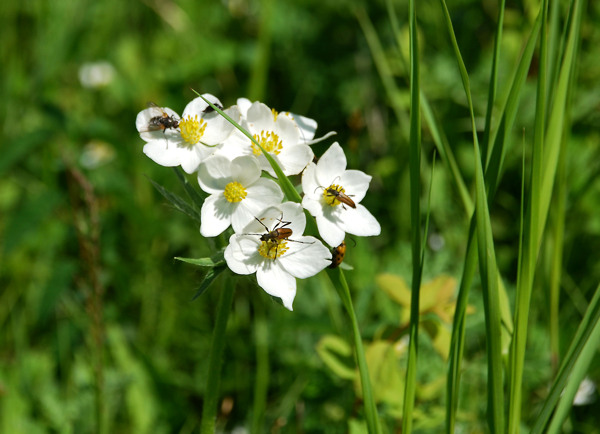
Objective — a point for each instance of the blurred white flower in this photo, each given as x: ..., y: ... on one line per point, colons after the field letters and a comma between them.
x: 184, y: 142
x: 332, y: 195
x: 277, y: 252
x: 586, y: 393
x: 96, y: 74
x: 237, y: 193
x: 96, y: 153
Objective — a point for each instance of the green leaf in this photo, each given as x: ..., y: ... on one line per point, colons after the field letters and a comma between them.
x: 177, y: 202
x: 217, y: 260
x: 210, y: 277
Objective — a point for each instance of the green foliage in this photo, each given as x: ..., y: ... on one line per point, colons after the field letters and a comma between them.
x: 99, y: 332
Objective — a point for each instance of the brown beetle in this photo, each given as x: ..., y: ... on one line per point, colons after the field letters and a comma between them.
x: 273, y: 238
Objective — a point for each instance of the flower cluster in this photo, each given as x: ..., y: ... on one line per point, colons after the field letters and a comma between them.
x: 267, y: 234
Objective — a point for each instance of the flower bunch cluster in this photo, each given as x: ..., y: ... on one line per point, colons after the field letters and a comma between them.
x: 267, y: 234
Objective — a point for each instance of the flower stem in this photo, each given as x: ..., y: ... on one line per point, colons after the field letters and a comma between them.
x: 339, y: 282
x: 209, y: 410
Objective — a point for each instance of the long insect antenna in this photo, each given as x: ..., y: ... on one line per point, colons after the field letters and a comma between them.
x: 263, y: 225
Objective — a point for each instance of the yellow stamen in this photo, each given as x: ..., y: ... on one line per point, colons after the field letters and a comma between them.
x: 272, y: 249
x: 235, y: 192
x: 269, y: 141
x: 274, y: 114
x: 192, y: 129
x: 332, y: 198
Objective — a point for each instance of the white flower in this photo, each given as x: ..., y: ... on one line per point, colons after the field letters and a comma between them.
x: 187, y: 141
x: 237, y: 193
x: 306, y: 126
x: 278, y: 135
x: 283, y: 253
x: 332, y: 195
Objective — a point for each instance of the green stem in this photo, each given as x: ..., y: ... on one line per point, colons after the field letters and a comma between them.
x: 339, y: 282
x: 211, y: 398
x: 261, y: 384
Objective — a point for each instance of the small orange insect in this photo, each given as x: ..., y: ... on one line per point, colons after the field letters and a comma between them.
x: 337, y: 255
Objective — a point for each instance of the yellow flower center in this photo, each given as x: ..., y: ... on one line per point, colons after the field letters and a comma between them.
x: 274, y: 114
x: 330, y: 195
x: 192, y: 129
x: 269, y: 141
x: 272, y: 249
x: 235, y: 192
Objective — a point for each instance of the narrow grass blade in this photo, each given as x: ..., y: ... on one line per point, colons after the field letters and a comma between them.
x: 339, y: 282
x: 583, y: 346
x: 213, y: 378
x: 493, y: 82
x: 415, y: 220
x: 487, y: 261
x: 392, y: 91
x: 507, y: 114
x: 545, y: 161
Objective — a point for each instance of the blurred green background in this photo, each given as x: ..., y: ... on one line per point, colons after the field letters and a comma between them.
x: 89, y: 292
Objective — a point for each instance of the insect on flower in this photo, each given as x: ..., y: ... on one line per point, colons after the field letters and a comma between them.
x: 163, y: 121
x: 209, y: 109
x: 335, y: 194
x: 337, y: 255
x: 275, y: 238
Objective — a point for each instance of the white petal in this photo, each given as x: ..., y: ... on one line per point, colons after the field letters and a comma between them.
x: 215, y: 215
x: 260, y: 117
x: 313, y: 206
x: 307, y: 127
x: 237, y: 257
x: 295, y: 158
x: 306, y: 256
x: 330, y: 230
x: 287, y: 130
x: 278, y: 283
x: 243, y: 105
x: 218, y: 129
x: 245, y: 170
x: 262, y: 194
x: 359, y: 221
x: 310, y: 185
x: 331, y: 165
x: 164, y: 153
x: 192, y: 159
x: 241, y: 217
x: 355, y: 183
x: 214, y: 174
x: 293, y: 213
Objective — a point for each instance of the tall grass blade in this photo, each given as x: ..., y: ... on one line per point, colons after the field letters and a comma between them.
x: 339, y: 282
x: 485, y: 144
x: 545, y: 162
x: 392, y: 91
x: 487, y: 261
x: 583, y: 346
x: 507, y: 114
x: 415, y: 220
